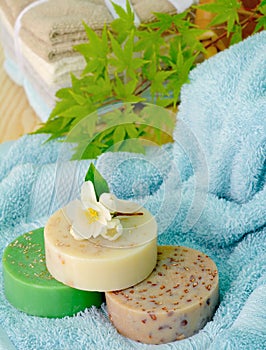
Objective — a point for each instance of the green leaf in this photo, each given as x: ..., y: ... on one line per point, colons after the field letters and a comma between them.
x: 63, y: 93
x: 95, y: 51
x: 81, y: 100
x: 132, y: 145
x: 76, y: 111
x: 237, y: 35
x: 61, y: 107
x: 164, y: 22
x: 123, y: 25
x: 123, y: 115
x: 124, y: 59
x: 100, y: 184
x: 119, y: 134
x: 157, y: 84
x: 99, y: 90
x: 215, y: 7
x: 119, y: 59
x: 225, y: 10
x: 261, y: 24
x: 89, y: 151
x: 125, y: 91
x: 97, y: 46
x: 84, y: 129
x: 131, y: 131
x: 56, y: 127
x: 149, y: 41
x: 180, y: 20
x: 219, y: 18
x: 159, y: 118
x: 262, y: 7
x: 190, y: 40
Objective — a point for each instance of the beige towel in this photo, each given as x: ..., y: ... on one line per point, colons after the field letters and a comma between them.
x: 59, y: 21
x: 12, y: 8
x: 52, y: 28
x: 145, y: 9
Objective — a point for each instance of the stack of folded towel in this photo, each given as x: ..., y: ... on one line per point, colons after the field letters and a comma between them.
x: 38, y: 38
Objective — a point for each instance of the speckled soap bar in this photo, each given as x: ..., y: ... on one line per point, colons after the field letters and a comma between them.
x: 30, y: 287
x: 91, y: 266
x: 173, y: 303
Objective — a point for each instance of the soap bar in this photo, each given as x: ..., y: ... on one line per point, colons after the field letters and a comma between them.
x: 173, y: 303
x: 30, y: 287
x: 97, y: 265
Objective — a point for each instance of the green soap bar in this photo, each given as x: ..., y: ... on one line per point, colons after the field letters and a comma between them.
x: 30, y: 287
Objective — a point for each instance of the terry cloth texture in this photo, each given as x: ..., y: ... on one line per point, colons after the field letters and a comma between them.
x: 53, y: 27
x: 207, y: 191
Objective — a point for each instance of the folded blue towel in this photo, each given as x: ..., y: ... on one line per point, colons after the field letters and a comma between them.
x: 34, y: 96
x: 207, y: 191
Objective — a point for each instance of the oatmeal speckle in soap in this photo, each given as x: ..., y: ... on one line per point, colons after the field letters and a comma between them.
x: 173, y: 303
x: 90, y: 266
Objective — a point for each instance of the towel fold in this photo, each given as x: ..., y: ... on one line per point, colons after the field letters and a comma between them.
x: 52, y: 28
x: 194, y: 205
x: 248, y: 331
x: 231, y: 105
x: 38, y: 169
x: 53, y: 74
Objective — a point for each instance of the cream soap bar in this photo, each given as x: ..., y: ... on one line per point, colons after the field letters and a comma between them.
x: 92, y: 265
x: 30, y: 287
x: 173, y: 303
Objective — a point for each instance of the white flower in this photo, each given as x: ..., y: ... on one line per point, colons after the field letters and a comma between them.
x: 88, y: 218
x: 114, y: 230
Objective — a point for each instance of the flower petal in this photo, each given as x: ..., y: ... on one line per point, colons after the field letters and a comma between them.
x: 87, y: 231
x: 80, y: 226
x: 104, y: 214
x: 71, y: 210
x: 88, y: 193
x: 114, y: 230
x: 75, y: 234
x: 97, y: 229
x: 111, y: 202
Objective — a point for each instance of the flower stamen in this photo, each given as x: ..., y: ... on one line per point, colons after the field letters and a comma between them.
x: 111, y: 232
x: 92, y: 215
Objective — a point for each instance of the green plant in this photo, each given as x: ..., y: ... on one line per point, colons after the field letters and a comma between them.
x: 128, y: 63
x: 231, y: 18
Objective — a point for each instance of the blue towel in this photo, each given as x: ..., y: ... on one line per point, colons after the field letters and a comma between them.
x: 207, y: 191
